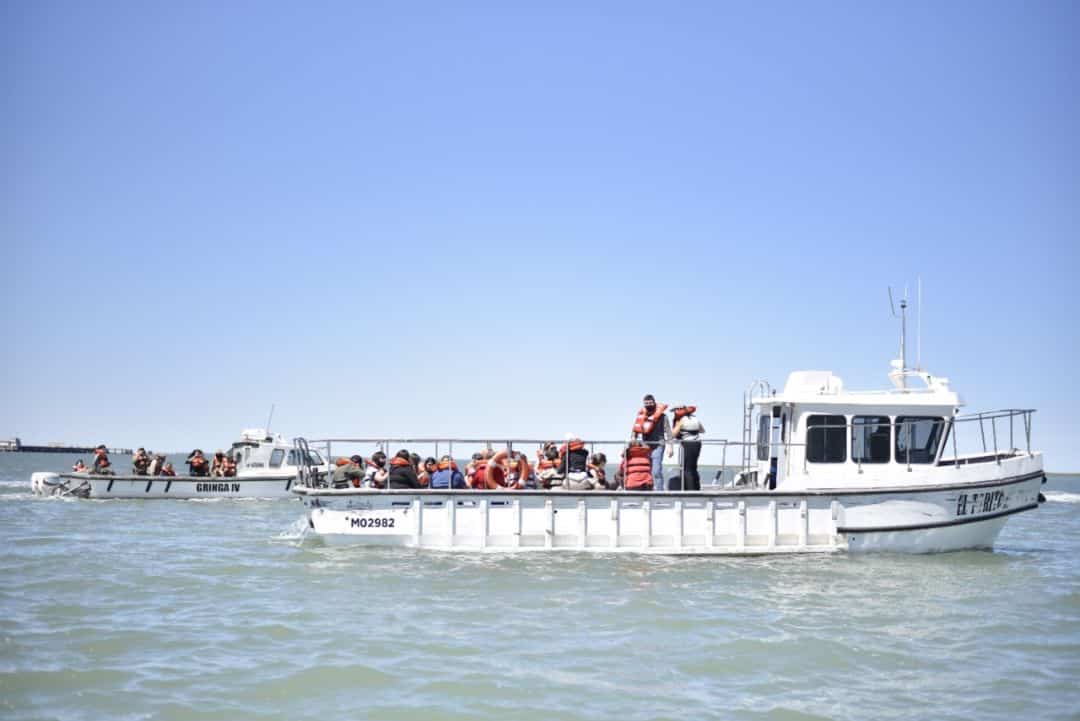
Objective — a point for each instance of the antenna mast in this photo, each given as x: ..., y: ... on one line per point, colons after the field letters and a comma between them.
x: 903, y: 334
x: 918, y: 346
x: 270, y: 419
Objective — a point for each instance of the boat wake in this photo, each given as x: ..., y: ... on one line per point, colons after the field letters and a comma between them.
x: 296, y: 533
x: 1062, y: 497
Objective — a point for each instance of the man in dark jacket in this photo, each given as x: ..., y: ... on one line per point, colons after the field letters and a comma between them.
x: 402, y: 473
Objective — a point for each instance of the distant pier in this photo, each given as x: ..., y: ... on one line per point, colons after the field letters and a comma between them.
x: 16, y: 445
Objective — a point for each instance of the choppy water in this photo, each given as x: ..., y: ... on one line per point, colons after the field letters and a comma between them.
x: 223, y: 610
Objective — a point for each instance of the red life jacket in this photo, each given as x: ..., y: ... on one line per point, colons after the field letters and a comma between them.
x: 639, y: 469
x: 644, y: 423
x: 684, y: 411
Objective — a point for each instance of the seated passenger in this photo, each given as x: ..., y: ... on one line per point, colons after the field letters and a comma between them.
x: 102, y: 466
x: 490, y: 471
x: 375, y: 474
x: 402, y: 474
x: 155, y: 465
x: 217, y: 466
x: 427, y: 470
x: 348, y: 471
x: 79, y: 467
x: 230, y: 467
x: 574, y: 465
x: 598, y: 470
x: 197, y: 463
x: 637, y: 467
x: 168, y: 470
x: 447, y: 475
x: 470, y: 469
x: 547, y: 465
x: 140, y: 462
x: 520, y: 475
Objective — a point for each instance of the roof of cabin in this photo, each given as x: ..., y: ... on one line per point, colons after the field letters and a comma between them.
x: 910, y: 388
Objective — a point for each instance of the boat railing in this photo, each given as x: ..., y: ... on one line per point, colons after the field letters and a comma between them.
x: 727, y: 475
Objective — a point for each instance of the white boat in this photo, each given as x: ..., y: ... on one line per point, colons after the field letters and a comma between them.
x: 267, y: 467
x: 830, y: 470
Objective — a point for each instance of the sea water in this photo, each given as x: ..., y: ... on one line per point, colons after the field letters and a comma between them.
x: 227, y: 609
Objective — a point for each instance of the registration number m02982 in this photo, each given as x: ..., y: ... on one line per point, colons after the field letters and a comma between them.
x: 372, y: 522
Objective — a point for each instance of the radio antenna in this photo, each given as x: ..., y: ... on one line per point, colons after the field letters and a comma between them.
x: 918, y: 343
x: 903, y: 333
x: 271, y: 418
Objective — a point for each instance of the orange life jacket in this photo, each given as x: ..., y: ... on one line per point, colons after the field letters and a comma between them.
x: 684, y: 411
x: 639, y: 469
x: 644, y: 423
x: 574, y: 445
x: 443, y: 465
x: 399, y: 462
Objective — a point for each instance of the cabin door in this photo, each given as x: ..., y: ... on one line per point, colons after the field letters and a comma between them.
x: 777, y: 441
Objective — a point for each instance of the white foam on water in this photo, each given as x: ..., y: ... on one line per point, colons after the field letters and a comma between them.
x: 1062, y: 497
x: 296, y: 532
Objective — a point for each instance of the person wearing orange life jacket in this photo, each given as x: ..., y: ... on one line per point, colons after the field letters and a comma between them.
x: 652, y: 428
x: 447, y: 475
x: 547, y: 467
x: 489, y: 473
x: 636, y: 467
x: 375, y: 473
x: 688, y: 430
x: 402, y: 474
x: 574, y: 465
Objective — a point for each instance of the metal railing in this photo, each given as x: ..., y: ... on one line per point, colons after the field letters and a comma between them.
x: 946, y: 430
x: 310, y: 479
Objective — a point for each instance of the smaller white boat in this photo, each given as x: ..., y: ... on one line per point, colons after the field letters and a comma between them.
x: 267, y: 467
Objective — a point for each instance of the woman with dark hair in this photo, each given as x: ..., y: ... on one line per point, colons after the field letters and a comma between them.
x: 402, y: 474
x: 688, y: 431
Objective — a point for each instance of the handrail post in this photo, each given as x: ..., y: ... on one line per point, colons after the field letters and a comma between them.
x: 723, y: 462
x: 956, y: 454
x: 982, y: 432
x: 993, y: 427
x: 1027, y: 430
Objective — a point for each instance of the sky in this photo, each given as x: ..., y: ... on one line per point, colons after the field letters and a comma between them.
x: 513, y: 219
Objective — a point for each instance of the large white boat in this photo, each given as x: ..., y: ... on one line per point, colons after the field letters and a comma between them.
x: 267, y: 467
x: 830, y: 470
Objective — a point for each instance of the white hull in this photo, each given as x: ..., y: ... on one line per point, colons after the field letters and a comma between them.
x: 184, y: 486
x: 910, y: 520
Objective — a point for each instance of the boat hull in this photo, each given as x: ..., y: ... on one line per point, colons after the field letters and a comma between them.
x: 910, y: 520
x: 185, y: 487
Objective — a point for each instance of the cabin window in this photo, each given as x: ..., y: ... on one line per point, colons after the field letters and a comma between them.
x: 826, y: 439
x: 292, y: 458
x: 314, y: 458
x: 276, y: 457
x: 764, y: 428
x: 870, y: 439
x: 917, y: 438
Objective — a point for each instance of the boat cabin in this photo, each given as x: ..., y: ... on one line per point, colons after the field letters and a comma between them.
x: 816, y: 434
x: 260, y: 453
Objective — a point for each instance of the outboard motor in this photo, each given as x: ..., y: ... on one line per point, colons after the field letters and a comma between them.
x: 44, y: 483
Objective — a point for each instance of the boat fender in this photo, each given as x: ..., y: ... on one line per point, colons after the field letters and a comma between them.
x: 1042, y: 498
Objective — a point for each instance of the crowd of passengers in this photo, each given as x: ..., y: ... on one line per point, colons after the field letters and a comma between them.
x: 156, y: 464
x: 568, y: 466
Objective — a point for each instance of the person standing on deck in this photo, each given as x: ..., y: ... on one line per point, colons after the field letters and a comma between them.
x: 688, y: 431
x: 102, y: 466
x: 653, y: 428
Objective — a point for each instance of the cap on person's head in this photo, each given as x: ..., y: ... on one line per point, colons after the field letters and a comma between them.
x: 100, y: 447
x: 478, y: 456
x: 648, y: 397
x: 356, y: 459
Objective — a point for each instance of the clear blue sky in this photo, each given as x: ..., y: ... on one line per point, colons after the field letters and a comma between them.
x: 514, y: 219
